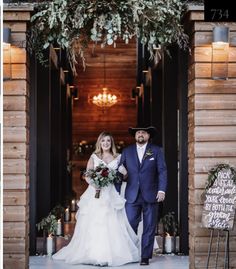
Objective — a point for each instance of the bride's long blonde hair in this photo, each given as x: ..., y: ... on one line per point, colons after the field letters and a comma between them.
x: 98, y: 149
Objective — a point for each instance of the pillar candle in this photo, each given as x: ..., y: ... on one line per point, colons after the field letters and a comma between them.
x: 67, y: 214
x: 59, y: 229
x: 49, y: 245
x: 168, y: 244
x: 73, y: 205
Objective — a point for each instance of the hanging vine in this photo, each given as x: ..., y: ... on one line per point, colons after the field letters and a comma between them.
x: 73, y: 24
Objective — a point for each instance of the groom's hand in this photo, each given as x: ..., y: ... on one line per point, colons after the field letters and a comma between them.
x: 160, y: 196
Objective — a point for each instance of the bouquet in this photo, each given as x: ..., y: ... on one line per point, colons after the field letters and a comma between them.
x: 101, y: 176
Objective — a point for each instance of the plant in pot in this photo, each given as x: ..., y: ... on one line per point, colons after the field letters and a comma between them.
x: 48, y: 225
x: 170, y: 230
x: 58, y: 211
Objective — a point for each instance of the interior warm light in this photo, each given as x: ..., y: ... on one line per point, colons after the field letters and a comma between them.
x: 104, y: 99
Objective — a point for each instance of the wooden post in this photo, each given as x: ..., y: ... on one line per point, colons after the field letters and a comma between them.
x: 211, y: 128
x: 16, y: 142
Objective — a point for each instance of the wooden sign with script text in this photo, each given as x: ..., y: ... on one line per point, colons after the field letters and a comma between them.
x: 220, y: 203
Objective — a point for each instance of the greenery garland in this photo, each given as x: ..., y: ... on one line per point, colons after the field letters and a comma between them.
x: 213, y: 173
x: 72, y: 24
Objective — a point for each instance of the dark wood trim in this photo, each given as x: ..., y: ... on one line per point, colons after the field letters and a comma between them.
x: 156, y: 112
x: 66, y: 131
x: 43, y: 141
x: 68, y: 142
x: 147, y: 105
x: 33, y: 153
x: 169, y: 130
x: 183, y: 150
x: 139, y: 63
x: 55, y: 139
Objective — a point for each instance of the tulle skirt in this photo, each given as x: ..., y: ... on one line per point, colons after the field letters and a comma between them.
x: 103, y: 235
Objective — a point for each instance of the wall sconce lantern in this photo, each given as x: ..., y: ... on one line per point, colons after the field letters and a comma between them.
x: 74, y: 93
x: 6, y: 39
x: 220, y: 53
x: 136, y: 92
x: 6, y: 35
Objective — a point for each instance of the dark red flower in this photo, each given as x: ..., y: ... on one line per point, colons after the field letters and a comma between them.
x: 98, y: 169
x: 104, y: 172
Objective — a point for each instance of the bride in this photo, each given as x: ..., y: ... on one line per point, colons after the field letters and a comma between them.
x: 103, y: 235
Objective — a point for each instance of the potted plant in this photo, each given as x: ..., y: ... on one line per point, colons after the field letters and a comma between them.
x: 48, y: 225
x: 170, y: 230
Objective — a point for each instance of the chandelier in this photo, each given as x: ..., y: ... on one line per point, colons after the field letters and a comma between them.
x: 104, y: 99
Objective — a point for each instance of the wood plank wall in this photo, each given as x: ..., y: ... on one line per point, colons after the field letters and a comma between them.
x: 212, y: 131
x: 16, y: 143
x: 88, y: 120
x: 120, y: 71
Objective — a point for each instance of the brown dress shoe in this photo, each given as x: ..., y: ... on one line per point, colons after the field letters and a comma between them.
x: 144, y: 261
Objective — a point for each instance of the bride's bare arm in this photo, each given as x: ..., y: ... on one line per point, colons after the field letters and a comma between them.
x: 90, y: 165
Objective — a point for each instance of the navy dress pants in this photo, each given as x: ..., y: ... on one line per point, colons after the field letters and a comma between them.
x: 134, y: 212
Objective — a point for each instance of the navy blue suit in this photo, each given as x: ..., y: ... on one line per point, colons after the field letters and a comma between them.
x: 144, y: 181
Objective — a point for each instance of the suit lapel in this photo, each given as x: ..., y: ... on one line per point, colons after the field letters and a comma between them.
x: 135, y: 154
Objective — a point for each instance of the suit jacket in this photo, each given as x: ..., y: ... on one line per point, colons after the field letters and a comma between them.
x: 149, y: 177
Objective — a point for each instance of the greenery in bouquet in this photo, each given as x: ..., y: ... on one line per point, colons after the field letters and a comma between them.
x: 101, y: 176
x: 73, y: 24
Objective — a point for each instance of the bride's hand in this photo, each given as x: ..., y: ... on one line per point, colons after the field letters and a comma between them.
x: 89, y: 181
x: 122, y: 170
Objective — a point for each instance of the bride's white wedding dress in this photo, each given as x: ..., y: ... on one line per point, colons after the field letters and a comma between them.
x: 103, y: 235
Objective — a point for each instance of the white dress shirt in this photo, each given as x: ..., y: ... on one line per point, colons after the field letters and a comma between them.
x: 140, y: 151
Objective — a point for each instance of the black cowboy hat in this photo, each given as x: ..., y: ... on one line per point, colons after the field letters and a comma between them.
x: 149, y: 129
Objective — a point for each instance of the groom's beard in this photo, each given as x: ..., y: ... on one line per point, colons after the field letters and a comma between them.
x: 140, y: 140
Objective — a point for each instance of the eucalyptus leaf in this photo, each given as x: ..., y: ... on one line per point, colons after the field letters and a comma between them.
x: 46, y: 45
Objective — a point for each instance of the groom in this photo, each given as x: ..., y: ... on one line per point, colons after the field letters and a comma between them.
x: 146, y: 185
